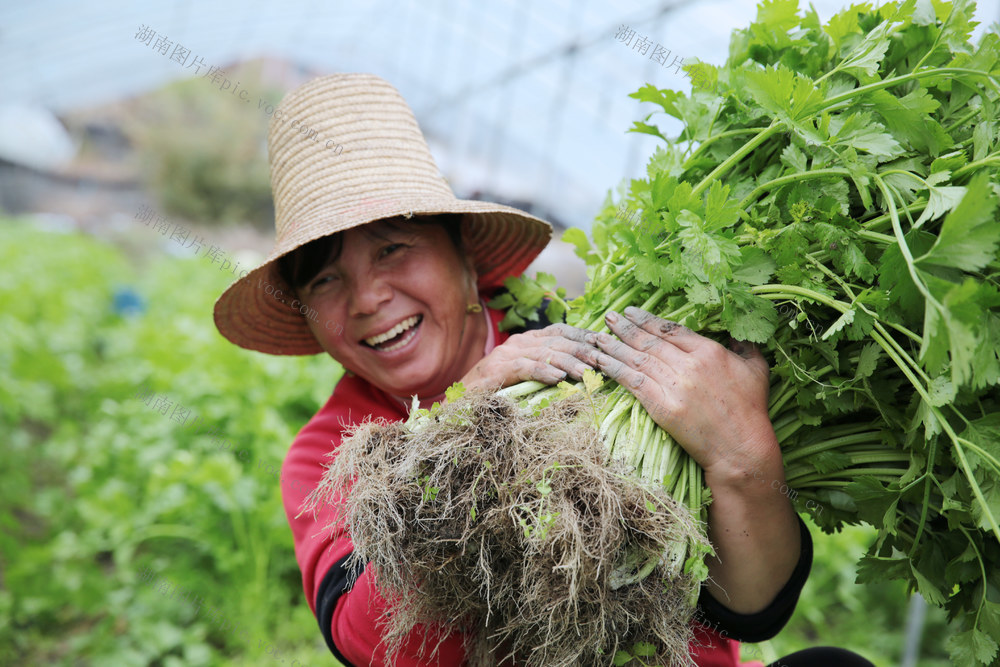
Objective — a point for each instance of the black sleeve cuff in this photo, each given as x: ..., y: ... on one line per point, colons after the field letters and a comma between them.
x: 768, y: 622
x: 337, y: 581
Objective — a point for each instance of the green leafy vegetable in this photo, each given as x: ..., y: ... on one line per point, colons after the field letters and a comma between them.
x: 833, y: 196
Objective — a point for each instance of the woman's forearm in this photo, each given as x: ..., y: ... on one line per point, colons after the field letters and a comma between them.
x: 753, y: 527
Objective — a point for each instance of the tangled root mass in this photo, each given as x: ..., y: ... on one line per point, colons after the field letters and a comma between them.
x: 506, y: 527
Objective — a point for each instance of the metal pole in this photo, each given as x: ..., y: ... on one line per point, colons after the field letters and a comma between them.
x: 915, y: 615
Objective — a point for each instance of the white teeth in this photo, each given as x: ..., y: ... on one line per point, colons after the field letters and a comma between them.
x: 393, y: 332
x: 406, y: 339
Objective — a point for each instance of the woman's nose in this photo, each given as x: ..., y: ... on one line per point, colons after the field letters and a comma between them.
x: 368, y: 294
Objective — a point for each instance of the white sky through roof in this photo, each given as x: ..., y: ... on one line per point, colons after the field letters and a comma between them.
x: 507, y: 105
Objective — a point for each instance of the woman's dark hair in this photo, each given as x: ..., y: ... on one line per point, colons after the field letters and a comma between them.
x: 299, y: 267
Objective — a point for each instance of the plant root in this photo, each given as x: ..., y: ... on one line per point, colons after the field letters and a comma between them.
x: 508, y: 527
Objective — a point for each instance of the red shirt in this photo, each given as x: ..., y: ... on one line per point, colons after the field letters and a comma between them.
x: 353, y: 626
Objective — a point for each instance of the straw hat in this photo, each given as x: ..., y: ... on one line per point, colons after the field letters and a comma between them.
x: 382, y: 169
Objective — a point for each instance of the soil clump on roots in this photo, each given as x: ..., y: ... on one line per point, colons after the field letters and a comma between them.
x: 515, y: 530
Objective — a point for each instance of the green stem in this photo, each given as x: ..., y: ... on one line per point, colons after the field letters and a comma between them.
x: 846, y: 474
x: 784, y: 434
x: 900, y: 352
x: 847, y: 290
x: 904, y: 249
x: 653, y: 300
x: 710, y: 140
x: 866, y: 437
x: 521, y: 389
x: 982, y: 570
x: 937, y: 40
x: 645, y: 439
x: 790, y: 291
x: 733, y: 159
x: 624, y: 298
x: 927, y: 497
x: 669, y: 463
x: 598, y: 288
x: 867, y: 235
x: 982, y: 452
x: 874, y: 223
x: 836, y: 484
x: 778, y: 403
x: 964, y: 119
x: 835, y: 101
x: 989, y: 159
x: 791, y: 178
x: 863, y: 458
x: 555, y: 297
x: 946, y: 427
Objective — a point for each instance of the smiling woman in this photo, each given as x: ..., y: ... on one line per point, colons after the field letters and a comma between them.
x: 378, y: 242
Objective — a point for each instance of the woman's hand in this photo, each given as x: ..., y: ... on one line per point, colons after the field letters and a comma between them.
x: 713, y: 401
x: 546, y: 355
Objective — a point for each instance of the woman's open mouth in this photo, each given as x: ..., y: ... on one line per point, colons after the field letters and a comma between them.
x: 396, y: 337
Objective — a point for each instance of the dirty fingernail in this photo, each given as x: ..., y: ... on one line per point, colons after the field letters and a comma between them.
x: 611, y: 317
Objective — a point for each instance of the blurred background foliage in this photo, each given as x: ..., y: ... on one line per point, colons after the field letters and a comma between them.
x: 206, y: 163
x: 98, y: 486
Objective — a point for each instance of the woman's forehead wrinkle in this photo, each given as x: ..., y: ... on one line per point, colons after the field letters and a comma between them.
x: 380, y: 230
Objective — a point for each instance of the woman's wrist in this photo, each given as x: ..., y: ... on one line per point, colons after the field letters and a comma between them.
x: 753, y: 526
x: 755, y: 455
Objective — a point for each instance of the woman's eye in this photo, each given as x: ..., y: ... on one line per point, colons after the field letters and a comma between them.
x: 323, y: 280
x: 391, y: 248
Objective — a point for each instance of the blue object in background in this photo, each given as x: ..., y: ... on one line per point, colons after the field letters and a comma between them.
x: 127, y: 302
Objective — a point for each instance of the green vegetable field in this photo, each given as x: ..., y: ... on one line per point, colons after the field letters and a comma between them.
x: 105, y: 499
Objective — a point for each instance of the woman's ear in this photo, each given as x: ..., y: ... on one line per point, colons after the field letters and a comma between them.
x: 471, y: 274
x: 473, y: 278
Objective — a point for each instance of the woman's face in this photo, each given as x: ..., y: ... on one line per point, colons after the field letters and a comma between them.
x: 400, y: 296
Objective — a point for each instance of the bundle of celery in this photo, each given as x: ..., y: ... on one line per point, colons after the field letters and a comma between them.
x: 833, y: 197
x: 513, y: 527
